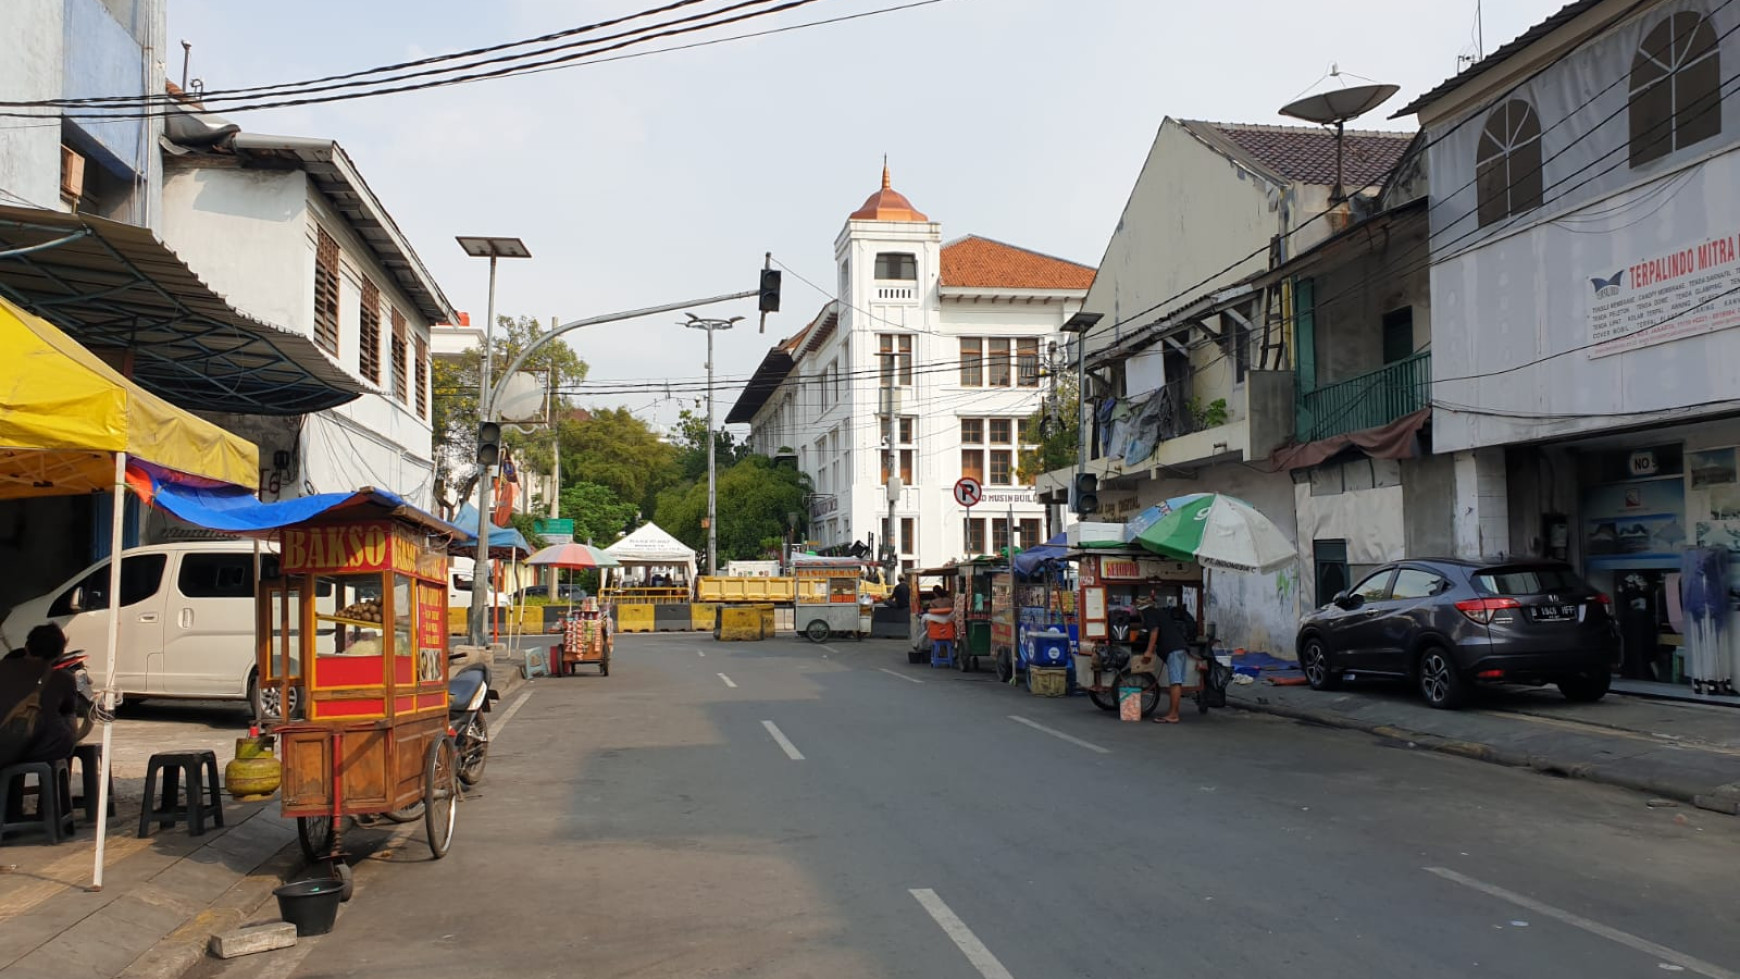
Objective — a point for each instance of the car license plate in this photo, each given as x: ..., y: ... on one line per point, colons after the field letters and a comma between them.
x: 1555, y: 613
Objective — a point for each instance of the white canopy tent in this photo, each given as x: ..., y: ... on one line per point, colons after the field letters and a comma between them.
x: 650, y: 548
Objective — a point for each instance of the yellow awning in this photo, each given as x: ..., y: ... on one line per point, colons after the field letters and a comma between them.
x: 64, y: 414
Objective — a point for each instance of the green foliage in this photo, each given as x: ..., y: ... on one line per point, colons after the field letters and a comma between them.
x: 755, y: 498
x: 615, y: 449
x: 692, y: 446
x: 1211, y: 415
x: 1058, y: 423
x: 599, y: 515
x: 453, y: 409
x: 526, y: 524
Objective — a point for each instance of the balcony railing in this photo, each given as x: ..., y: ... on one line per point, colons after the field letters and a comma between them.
x: 1368, y: 400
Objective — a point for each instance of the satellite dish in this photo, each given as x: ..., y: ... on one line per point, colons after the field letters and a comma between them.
x: 1341, y: 104
x: 1336, y: 106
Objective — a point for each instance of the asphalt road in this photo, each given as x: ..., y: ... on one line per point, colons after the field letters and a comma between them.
x: 780, y: 809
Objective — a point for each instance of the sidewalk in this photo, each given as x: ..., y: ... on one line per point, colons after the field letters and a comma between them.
x: 1685, y: 752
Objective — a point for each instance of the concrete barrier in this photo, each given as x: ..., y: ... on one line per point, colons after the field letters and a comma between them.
x: 703, y: 616
x: 672, y: 618
x: 741, y: 623
x: 635, y: 618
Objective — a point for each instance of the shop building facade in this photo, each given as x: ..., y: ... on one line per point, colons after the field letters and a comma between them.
x: 1585, y: 293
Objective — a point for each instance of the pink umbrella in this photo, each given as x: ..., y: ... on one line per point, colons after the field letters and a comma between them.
x: 573, y: 556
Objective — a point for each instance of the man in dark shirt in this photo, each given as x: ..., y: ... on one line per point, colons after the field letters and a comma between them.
x: 902, y: 597
x: 20, y: 677
x: 1167, y: 635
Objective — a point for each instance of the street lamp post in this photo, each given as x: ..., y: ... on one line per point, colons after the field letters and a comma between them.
x: 492, y: 248
x: 711, y: 326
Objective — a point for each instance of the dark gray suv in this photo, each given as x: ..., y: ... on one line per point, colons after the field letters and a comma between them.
x: 1446, y: 624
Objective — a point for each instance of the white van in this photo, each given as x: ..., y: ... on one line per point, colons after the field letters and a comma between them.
x: 187, y: 619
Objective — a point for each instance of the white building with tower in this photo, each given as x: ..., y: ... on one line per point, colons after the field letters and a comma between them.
x: 926, y: 368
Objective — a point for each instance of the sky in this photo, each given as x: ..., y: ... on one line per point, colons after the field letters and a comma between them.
x: 659, y: 179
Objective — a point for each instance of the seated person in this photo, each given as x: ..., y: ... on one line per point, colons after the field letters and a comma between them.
x: 33, y: 675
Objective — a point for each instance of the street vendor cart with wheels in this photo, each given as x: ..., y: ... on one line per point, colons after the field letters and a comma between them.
x: 827, y: 597
x: 973, y: 592
x: 1110, y: 582
x: 586, y: 639
x: 357, y: 619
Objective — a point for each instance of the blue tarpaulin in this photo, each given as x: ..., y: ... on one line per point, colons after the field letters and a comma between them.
x: 1028, y: 561
x: 234, y: 511
x: 504, y: 542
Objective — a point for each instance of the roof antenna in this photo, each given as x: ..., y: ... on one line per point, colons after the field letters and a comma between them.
x: 1336, y: 107
x: 186, y: 56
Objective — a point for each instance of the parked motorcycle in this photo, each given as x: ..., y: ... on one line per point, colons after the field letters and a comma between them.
x: 1112, y: 667
x: 468, y: 699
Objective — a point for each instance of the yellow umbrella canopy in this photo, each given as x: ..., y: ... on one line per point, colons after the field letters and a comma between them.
x: 64, y: 414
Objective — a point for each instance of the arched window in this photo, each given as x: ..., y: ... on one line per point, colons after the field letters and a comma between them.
x: 1676, y: 88
x: 1508, y: 162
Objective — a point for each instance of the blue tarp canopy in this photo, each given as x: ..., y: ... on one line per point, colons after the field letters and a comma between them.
x: 1029, y: 561
x: 234, y: 511
x: 504, y: 542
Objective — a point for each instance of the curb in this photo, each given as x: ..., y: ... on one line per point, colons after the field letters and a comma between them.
x: 1723, y: 799
x: 185, y: 947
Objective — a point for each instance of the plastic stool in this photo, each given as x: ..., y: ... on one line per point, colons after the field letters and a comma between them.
x: 942, y: 652
x: 89, y: 758
x: 54, y: 811
x: 172, y: 767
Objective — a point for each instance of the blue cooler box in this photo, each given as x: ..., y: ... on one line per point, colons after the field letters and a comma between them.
x: 1047, y: 649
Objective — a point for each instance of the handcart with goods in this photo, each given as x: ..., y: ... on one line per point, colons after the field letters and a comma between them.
x: 586, y: 639
x: 827, y: 600
x: 356, y: 619
x: 1041, y: 602
x: 973, y: 610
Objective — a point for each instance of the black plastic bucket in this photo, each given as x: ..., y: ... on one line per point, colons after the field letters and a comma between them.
x: 310, y: 905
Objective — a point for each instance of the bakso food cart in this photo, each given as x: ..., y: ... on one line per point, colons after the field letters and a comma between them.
x: 355, y: 620
x: 827, y: 596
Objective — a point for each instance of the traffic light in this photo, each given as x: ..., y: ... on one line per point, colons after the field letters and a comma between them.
x: 1085, y: 499
x: 770, y: 290
x: 488, y: 443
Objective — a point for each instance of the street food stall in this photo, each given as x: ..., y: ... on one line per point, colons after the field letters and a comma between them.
x: 586, y: 640
x: 1109, y: 582
x: 1041, y: 597
x: 973, y: 596
x: 828, y: 597
x: 357, y: 619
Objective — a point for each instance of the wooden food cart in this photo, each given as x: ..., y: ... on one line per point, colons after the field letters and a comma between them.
x: 356, y: 620
x: 1109, y: 582
x: 974, y: 605
x: 827, y: 596
x: 586, y: 639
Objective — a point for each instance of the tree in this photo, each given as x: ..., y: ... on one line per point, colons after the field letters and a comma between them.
x: 692, y: 446
x: 454, y: 406
x: 613, y: 448
x: 756, y: 500
x: 599, y: 515
x: 1058, y: 422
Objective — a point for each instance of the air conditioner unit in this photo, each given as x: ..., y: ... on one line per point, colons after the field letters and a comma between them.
x: 72, y: 175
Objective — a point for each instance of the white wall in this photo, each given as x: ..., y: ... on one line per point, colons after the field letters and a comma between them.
x: 1518, y: 330
x: 31, y: 70
x: 1184, y: 187
x: 241, y: 232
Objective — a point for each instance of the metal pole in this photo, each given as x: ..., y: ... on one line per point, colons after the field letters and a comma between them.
x: 106, y: 696
x: 555, y: 575
x: 712, y: 475
x: 1081, y: 403
x: 480, y: 568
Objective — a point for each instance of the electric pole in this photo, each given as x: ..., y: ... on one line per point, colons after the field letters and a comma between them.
x: 711, y: 326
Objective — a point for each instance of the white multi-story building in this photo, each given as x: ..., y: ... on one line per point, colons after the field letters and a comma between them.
x: 926, y: 366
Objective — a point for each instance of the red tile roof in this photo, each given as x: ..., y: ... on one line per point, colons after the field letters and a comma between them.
x: 976, y: 262
x: 1306, y: 154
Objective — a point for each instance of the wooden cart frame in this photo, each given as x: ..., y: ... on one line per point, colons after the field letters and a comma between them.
x: 356, y: 621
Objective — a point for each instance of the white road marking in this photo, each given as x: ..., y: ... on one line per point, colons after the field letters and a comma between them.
x: 727, y: 681
x: 508, y: 715
x: 784, y: 742
x: 908, y: 679
x: 829, y: 648
x: 1627, y: 939
x: 1072, y: 739
x: 700, y: 652
x: 963, y: 937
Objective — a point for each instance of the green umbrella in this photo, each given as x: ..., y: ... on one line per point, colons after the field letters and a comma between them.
x: 1220, y: 532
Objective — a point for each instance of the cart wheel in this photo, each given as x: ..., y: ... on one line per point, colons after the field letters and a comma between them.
x: 440, y: 794
x: 1104, y: 700
x: 409, y: 814
x: 817, y: 631
x: 315, y: 835
x: 1005, y: 666
x: 1202, y: 701
x: 341, y: 870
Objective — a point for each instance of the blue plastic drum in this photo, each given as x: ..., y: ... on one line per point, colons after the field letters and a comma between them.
x: 1047, y: 649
